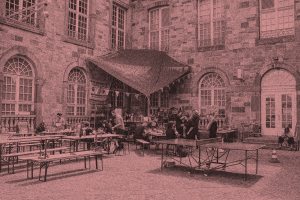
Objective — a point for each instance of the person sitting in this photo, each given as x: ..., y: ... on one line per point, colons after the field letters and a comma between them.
x: 170, y: 132
x: 139, y: 132
x: 286, y: 137
x: 212, y: 126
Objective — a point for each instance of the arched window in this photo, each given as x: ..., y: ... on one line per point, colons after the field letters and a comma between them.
x: 76, y: 94
x: 18, y: 87
x: 212, y: 94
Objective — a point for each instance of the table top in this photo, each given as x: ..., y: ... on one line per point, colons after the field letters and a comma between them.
x: 30, y: 138
x: 224, y: 131
x: 179, y: 141
x: 106, y: 135
x: 62, y: 132
x: 233, y: 146
x: 64, y: 155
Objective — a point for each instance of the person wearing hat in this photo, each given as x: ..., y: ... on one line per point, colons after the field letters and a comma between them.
x: 59, y: 122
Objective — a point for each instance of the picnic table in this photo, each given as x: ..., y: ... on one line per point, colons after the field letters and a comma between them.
x: 44, y: 162
x: 74, y: 140
x: 61, y: 132
x: 29, y: 140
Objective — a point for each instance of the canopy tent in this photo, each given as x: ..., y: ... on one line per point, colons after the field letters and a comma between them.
x: 144, y: 70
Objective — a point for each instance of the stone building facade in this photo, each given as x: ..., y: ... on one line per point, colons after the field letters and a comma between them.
x: 42, y: 51
x: 243, y: 54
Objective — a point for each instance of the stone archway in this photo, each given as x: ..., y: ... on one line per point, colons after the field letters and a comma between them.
x: 278, y: 102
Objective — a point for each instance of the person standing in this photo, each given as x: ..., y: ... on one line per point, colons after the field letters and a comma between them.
x: 59, y: 122
x: 212, y: 126
x: 119, y: 123
x: 179, y: 123
x: 193, y: 129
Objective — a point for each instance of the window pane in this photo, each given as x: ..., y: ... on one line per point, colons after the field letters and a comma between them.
x: 267, y: 4
x: 165, y: 17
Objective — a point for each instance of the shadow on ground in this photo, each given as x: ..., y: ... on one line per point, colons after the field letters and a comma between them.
x: 220, y: 177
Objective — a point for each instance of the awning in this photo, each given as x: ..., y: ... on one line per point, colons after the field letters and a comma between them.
x: 144, y: 70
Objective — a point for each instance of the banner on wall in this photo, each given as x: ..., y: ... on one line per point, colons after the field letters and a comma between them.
x: 99, y: 91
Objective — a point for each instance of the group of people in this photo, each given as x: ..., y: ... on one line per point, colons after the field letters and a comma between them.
x: 186, y: 126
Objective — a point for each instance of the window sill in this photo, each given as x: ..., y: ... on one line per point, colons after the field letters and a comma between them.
x: 20, y: 25
x: 90, y: 45
x: 274, y: 40
x: 211, y: 48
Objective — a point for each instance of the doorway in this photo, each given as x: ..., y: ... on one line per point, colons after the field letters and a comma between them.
x: 278, y: 102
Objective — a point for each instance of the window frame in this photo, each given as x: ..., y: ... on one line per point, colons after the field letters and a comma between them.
x: 91, y: 17
x: 277, y: 31
x: 159, y: 29
x: 213, y: 45
x: 17, y: 102
x: 162, y: 101
x: 118, y: 7
x: 38, y: 29
x: 75, y: 104
x: 213, y: 91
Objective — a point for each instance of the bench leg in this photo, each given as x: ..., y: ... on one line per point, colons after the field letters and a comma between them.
x: 84, y: 162
x: 89, y: 162
x: 28, y: 165
x: 96, y: 161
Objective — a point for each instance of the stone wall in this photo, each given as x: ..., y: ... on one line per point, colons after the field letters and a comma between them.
x: 53, y: 57
x: 243, y: 50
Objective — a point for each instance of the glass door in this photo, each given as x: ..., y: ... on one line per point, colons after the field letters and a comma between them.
x: 278, y: 112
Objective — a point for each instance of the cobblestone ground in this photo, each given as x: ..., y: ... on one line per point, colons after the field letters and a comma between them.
x: 134, y: 176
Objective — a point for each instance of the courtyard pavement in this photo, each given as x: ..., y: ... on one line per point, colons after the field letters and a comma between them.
x: 134, y: 176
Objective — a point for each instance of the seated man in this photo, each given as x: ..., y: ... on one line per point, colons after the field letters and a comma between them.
x: 139, y: 132
x: 287, y: 136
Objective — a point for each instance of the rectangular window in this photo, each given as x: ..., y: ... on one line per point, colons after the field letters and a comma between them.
x: 118, y: 27
x: 76, y: 100
x: 159, y: 29
x: 78, y: 19
x: 164, y: 100
x: 70, y: 110
x: 211, y: 23
x: 276, y: 18
x: 81, y: 95
x: 154, y: 99
x: 9, y: 89
x: 25, y: 90
x: 24, y: 11
x: 71, y: 94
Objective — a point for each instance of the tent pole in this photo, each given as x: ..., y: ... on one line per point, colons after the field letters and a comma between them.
x: 148, y: 105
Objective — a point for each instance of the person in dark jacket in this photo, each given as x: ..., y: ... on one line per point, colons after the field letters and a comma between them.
x: 212, y: 126
x: 192, y: 129
x: 170, y: 132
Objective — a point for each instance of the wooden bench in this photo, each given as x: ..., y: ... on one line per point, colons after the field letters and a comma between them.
x: 12, y: 157
x: 143, y: 142
x: 44, y: 162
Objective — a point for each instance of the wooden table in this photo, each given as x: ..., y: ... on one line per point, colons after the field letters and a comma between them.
x: 42, y: 139
x: 74, y: 140
x: 62, y: 132
x: 44, y: 162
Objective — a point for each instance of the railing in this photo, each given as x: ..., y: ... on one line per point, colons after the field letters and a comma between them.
x: 9, y: 123
x: 71, y: 121
x: 203, y: 122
